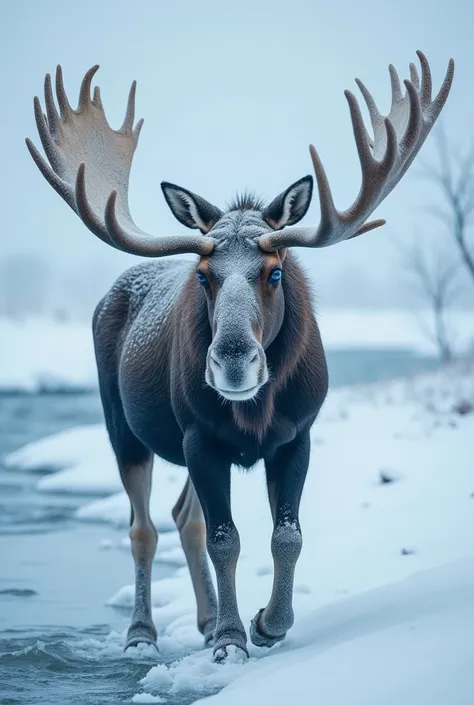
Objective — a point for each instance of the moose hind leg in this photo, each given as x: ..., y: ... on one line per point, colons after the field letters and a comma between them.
x: 135, y: 462
x: 134, y: 459
x: 189, y: 519
x: 286, y: 474
x: 137, y: 482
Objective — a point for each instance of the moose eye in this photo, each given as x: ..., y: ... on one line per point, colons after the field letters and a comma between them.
x: 275, y: 276
x: 202, y: 279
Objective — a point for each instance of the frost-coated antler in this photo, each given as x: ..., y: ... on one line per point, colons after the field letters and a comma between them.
x: 90, y: 168
x: 383, y: 159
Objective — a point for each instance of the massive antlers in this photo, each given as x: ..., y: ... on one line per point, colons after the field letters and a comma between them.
x: 90, y: 168
x: 90, y: 164
x: 397, y: 140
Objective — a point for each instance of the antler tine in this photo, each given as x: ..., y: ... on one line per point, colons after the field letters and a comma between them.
x: 60, y: 186
x: 51, y: 112
x: 137, y: 129
x: 395, y: 84
x: 97, y: 99
x: 397, y: 140
x: 426, y: 85
x: 89, y: 166
x: 360, y: 135
x: 374, y: 113
x: 63, y: 101
x: 392, y: 147
x: 45, y: 132
x: 414, y: 78
x: 85, y: 89
x: 439, y: 102
x: 415, y: 118
x: 130, y: 112
x: 375, y: 117
x: 326, y: 202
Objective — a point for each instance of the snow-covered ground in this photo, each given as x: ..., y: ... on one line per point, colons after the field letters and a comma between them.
x: 404, y: 644
x: 384, y: 591
x: 43, y: 354
x: 40, y: 354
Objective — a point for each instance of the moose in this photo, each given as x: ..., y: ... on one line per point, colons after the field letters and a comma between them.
x: 218, y: 361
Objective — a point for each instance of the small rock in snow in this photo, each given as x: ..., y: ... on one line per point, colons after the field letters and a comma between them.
x: 463, y: 407
x: 407, y: 552
x: 387, y: 476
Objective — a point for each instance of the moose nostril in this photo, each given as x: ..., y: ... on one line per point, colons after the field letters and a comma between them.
x: 254, y: 358
x: 215, y: 360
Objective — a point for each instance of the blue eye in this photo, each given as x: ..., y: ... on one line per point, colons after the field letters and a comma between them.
x: 202, y: 280
x: 275, y: 276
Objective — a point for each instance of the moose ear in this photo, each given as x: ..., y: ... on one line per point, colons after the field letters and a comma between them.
x: 191, y: 210
x: 291, y: 205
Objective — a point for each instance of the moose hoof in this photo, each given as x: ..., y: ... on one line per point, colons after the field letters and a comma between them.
x: 233, y: 648
x: 141, y: 634
x: 231, y: 652
x: 258, y: 636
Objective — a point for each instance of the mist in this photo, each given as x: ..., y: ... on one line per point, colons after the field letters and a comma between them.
x: 232, y: 95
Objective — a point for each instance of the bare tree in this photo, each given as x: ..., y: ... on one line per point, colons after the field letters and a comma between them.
x: 453, y: 173
x: 437, y: 282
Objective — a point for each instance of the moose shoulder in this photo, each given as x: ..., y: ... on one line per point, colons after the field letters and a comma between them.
x: 219, y: 361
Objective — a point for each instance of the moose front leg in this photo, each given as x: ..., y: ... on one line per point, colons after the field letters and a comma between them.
x: 286, y: 474
x: 210, y: 473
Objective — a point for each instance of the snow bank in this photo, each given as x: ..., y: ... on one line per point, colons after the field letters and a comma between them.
x: 167, y: 484
x: 406, y: 329
x: 46, y: 355
x: 41, y: 354
x: 60, y: 450
x: 407, y: 643
x: 81, y: 456
x: 390, y: 493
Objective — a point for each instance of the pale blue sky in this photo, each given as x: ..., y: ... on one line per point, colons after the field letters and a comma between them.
x: 232, y: 94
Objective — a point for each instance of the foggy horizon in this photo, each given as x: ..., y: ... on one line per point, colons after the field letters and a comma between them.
x: 231, y: 96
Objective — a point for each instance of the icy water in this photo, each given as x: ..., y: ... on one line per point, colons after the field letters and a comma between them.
x: 59, y: 641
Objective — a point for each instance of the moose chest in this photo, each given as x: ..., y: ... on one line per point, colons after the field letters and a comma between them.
x: 246, y: 458
x: 247, y: 449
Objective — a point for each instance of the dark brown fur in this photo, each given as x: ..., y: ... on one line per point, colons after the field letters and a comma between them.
x: 152, y: 360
